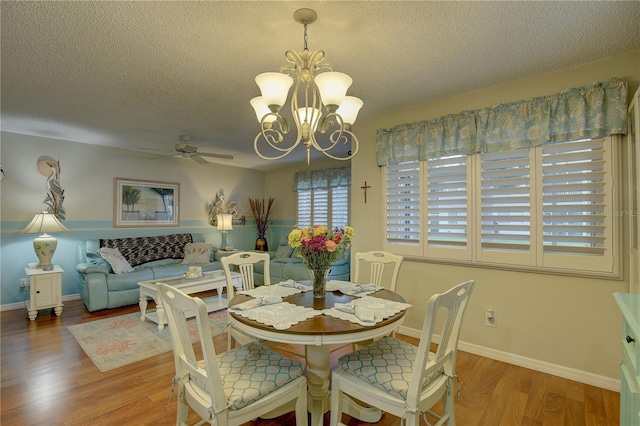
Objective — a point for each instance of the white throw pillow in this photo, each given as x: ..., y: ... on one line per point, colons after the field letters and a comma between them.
x: 195, y: 253
x: 117, y: 261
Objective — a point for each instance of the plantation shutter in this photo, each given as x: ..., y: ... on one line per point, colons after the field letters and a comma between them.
x: 403, y: 202
x: 573, y: 192
x: 304, y: 208
x: 320, y: 207
x: 505, y: 203
x: 447, y: 198
x: 339, y: 207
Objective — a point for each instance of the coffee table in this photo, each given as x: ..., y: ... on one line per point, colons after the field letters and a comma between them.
x: 213, y: 280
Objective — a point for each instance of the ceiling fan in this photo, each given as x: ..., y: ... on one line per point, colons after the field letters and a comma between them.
x: 186, y: 150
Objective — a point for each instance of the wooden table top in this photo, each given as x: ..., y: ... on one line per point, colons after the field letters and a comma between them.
x: 321, y: 324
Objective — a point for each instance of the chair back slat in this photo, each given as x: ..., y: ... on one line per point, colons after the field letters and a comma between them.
x: 379, y: 262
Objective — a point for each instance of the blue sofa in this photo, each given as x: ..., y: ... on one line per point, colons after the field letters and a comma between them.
x: 151, y: 257
x: 285, y: 264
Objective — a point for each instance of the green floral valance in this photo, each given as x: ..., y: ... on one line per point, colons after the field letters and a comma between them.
x: 587, y: 112
x: 322, y: 179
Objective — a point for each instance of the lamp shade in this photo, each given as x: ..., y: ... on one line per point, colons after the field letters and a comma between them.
x: 333, y: 87
x: 309, y: 115
x: 44, y: 245
x: 224, y: 222
x: 349, y: 109
x: 43, y: 223
x: 274, y: 87
x: 261, y: 109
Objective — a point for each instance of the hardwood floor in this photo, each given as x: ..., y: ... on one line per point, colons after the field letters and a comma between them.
x: 46, y: 378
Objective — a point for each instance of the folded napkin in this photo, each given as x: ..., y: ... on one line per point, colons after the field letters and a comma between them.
x: 293, y: 284
x: 359, y: 288
x: 362, y: 313
x: 254, y: 303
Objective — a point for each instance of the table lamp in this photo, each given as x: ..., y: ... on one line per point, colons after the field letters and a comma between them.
x: 44, y: 245
x: 224, y: 224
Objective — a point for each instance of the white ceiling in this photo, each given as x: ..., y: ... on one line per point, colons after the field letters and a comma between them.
x: 137, y: 74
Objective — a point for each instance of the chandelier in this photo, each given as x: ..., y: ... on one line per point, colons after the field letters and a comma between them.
x: 316, y: 85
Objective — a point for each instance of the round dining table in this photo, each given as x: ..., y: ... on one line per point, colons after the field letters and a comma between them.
x: 317, y: 334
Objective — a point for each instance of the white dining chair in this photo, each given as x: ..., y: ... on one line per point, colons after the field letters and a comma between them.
x: 380, y: 264
x: 234, y: 387
x: 244, y: 261
x: 374, y: 267
x: 402, y: 379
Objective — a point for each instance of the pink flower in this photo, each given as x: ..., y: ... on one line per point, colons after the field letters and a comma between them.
x: 331, y: 246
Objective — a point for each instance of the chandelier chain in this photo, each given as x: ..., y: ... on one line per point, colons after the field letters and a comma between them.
x: 306, y: 37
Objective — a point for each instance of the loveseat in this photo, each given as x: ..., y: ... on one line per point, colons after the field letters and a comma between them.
x: 150, y: 258
x: 285, y: 264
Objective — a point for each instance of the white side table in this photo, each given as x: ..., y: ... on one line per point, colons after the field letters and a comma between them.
x: 45, y: 290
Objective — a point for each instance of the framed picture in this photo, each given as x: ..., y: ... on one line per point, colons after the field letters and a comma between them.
x: 145, y: 203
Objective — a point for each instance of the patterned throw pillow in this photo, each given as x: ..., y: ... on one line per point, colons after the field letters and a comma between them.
x: 117, y: 261
x: 195, y: 253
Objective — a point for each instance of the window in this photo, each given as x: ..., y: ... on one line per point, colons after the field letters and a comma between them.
x: 323, y: 206
x: 323, y: 197
x: 542, y: 207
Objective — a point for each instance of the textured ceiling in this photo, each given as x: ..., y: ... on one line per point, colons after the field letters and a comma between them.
x: 140, y: 74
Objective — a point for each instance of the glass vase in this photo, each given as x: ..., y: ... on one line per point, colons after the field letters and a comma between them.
x: 319, y: 278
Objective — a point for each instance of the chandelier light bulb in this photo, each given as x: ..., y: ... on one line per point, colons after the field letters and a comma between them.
x: 274, y: 87
x: 262, y: 109
x: 349, y: 109
x: 333, y: 88
x: 309, y: 115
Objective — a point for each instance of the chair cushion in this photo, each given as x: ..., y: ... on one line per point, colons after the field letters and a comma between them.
x: 252, y: 371
x: 386, y: 364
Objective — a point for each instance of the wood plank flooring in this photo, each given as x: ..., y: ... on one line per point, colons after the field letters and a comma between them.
x: 46, y: 378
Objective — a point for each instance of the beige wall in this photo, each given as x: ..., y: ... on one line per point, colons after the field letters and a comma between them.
x: 566, y: 321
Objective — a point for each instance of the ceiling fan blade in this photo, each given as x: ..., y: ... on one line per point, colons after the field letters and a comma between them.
x: 207, y: 154
x: 198, y: 159
x: 185, y: 147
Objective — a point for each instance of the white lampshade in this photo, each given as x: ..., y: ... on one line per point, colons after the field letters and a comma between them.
x: 349, y: 109
x: 261, y: 109
x: 43, y: 223
x: 224, y: 222
x: 274, y: 87
x: 333, y: 87
x: 44, y: 245
x: 309, y: 115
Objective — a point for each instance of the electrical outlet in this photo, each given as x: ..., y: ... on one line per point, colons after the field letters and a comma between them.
x: 490, y: 318
x: 23, y: 282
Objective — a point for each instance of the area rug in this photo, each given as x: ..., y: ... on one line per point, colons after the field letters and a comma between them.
x: 118, y: 341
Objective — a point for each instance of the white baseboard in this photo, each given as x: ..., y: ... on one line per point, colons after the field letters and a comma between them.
x: 533, y: 364
x: 21, y: 305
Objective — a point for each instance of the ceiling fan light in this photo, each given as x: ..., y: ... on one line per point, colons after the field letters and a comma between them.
x: 261, y: 109
x: 274, y: 87
x: 333, y: 88
x: 349, y: 109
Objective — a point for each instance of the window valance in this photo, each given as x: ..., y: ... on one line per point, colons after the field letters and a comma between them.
x: 322, y: 179
x: 592, y: 111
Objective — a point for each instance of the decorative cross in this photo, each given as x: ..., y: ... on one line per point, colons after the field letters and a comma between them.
x: 365, y: 187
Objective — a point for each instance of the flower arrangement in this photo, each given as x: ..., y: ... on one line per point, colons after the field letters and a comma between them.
x: 318, y: 246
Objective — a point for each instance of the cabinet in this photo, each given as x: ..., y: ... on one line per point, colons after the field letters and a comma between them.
x: 629, y: 305
x: 45, y: 290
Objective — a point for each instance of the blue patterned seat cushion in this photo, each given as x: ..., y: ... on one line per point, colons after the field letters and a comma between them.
x: 386, y: 364
x: 252, y: 371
